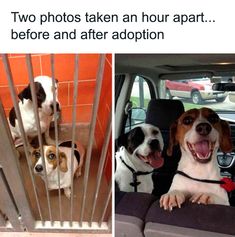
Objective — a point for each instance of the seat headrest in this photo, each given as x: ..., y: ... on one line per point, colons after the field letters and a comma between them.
x: 162, y: 112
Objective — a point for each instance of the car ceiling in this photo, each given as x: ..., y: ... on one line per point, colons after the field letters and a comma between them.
x: 165, y: 64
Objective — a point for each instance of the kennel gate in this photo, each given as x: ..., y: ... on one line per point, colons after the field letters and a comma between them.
x: 15, y: 208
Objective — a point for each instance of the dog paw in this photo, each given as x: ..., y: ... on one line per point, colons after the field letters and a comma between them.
x: 202, y: 198
x: 172, y: 199
x: 67, y: 192
x: 78, y: 173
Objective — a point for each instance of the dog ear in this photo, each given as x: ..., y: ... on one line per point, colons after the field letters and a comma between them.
x: 122, y: 140
x: 25, y: 94
x: 63, y: 162
x: 172, y: 138
x: 225, y: 137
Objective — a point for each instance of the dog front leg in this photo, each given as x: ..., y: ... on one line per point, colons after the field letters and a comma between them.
x: 172, y: 199
x: 67, y: 192
x: 202, y: 198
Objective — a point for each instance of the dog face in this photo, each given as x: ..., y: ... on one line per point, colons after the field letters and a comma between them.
x: 144, y: 142
x: 50, y: 160
x: 44, y: 94
x: 200, y: 132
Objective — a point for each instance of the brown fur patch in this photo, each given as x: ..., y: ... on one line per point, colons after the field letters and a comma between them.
x: 51, y: 150
x: 63, y: 162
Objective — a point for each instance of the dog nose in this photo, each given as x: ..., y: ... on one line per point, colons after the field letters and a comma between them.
x: 39, y: 168
x: 203, y: 128
x: 154, y: 144
x: 57, y: 107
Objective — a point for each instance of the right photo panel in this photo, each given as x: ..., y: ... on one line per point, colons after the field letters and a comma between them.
x: 174, y: 144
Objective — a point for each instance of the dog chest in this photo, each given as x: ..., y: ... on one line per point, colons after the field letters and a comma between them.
x: 191, y: 187
x: 124, y: 178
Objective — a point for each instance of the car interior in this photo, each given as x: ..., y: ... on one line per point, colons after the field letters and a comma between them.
x: 141, y: 96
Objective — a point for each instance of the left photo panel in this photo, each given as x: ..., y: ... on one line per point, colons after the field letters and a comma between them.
x: 56, y: 142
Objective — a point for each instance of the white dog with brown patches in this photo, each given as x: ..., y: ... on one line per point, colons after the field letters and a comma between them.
x: 199, y: 132
x: 64, y: 161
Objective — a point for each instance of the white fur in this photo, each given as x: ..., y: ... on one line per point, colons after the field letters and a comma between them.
x: 183, y: 188
x: 123, y: 176
x: 52, y: 174
x: 27, y: 112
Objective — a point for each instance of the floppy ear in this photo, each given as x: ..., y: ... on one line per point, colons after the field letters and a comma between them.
x: 225, y: 137
x: 63, y: 162
x: 172, y: 138
x: 122, y: 140
x: 25, y: 94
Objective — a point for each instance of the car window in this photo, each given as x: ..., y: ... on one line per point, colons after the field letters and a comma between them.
x: 197, y: 93
x: 139, y: 99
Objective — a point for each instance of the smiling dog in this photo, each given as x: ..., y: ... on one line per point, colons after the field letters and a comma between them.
x: 139, y: 154
x: 43, y: 86
x: 64, y: 160
x: 199, y: 132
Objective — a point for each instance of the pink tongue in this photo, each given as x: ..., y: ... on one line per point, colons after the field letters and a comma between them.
x: 202, y: 148
x: 155, y: 159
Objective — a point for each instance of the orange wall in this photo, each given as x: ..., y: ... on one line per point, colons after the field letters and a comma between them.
x: 64, y: 69
x: 64, y: 72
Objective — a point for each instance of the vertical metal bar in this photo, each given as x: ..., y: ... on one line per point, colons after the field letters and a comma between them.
x: 92, y: 131
x: 75, y: 93
x: 110, y: 226
x: 106, y: 204
x: 101, y: 163
x: 8, y: 205
x: 35, y: 107
x: 56, y: 131
x: 21, y: 127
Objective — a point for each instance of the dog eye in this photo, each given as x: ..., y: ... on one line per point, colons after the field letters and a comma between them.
x: 187, y: 120
x: 213, y: 118
x: 51, y: 156
x: 39, y: 96
x: 37, y: 154
x: 155, y: 132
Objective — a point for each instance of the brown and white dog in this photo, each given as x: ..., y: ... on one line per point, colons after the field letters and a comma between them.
x: 52, y: 168
x: 44, y: 95
x: 199, y: 132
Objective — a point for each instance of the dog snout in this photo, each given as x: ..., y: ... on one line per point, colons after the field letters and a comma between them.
x: 39, y: 168
x: 203, y: 129
x: 154, y: 144
x: 57, y: 107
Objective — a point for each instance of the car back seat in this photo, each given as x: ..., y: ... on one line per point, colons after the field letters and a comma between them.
x: 191, y: 220
x: 130, y: 211
x: 162, y: 113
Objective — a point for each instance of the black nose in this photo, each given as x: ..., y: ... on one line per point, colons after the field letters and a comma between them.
x: 39, y: 168
x: 57, y: 107
x: 154, y: 144
x: 203, y: 129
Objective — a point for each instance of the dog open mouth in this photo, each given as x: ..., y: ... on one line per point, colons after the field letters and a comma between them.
x: 202, y: 150
x: 154, y: 159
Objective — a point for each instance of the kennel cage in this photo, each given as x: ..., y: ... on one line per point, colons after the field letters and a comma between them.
x: 26, y: 203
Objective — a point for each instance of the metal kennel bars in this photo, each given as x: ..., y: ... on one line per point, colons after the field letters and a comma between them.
x: 18, y: 215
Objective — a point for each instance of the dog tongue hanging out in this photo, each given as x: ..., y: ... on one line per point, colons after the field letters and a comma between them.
x: 199, y: 133
x: 139, y: 154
